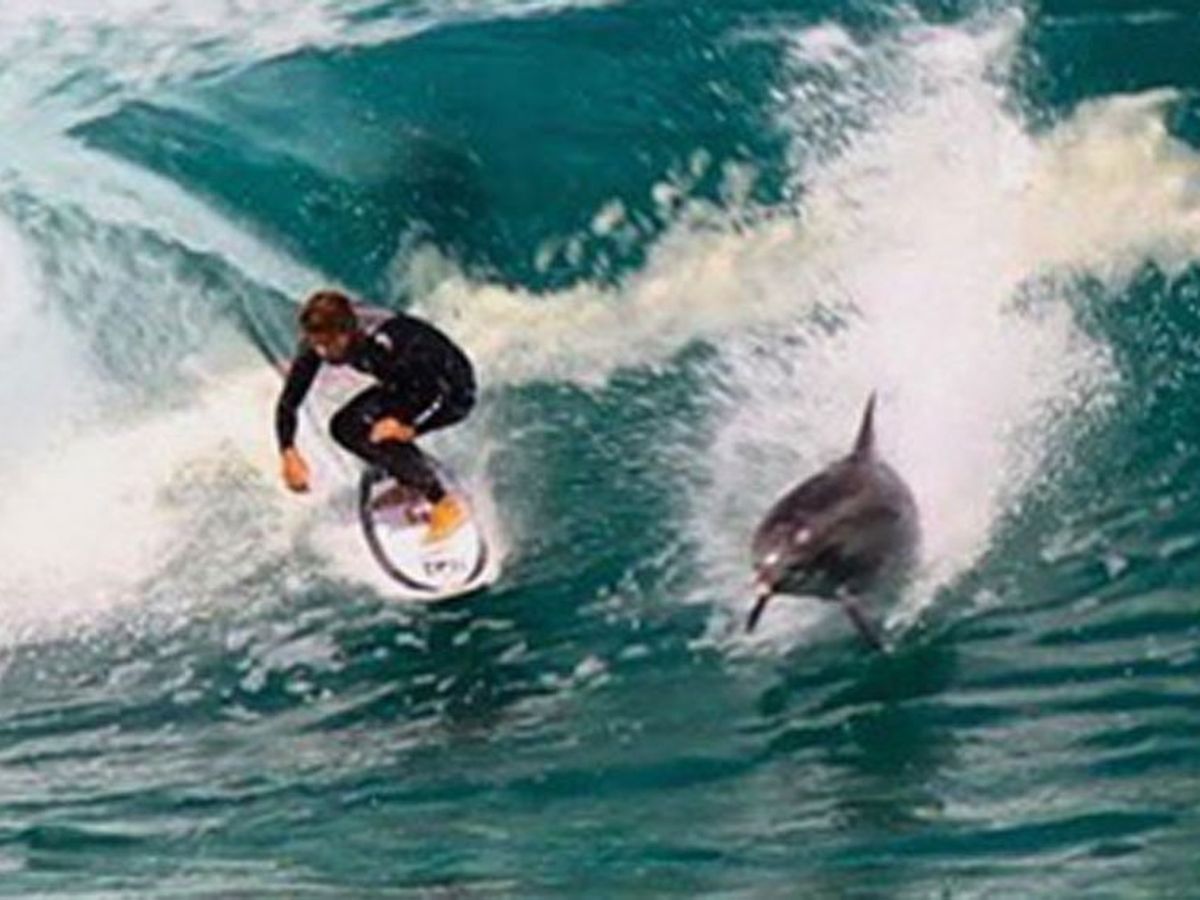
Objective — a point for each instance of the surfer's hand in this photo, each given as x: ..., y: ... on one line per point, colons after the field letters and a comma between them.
x: 391, y: 429
x: 295, y: 470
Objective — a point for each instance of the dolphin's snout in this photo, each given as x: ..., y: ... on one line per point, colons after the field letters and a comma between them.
x: 762, y: 587
x: 763, y: 592
x: 767, y: 569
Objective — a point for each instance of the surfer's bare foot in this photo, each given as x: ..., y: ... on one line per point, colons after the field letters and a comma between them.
x: 445, y: 518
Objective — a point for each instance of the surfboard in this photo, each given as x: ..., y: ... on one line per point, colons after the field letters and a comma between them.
x: 395, y: 521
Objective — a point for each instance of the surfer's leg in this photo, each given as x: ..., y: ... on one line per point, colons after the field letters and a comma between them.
x: 453, y: 410
x: 351, y: 428
x: 351, y: 425
x: 409, y: 466
x: 448, y: 511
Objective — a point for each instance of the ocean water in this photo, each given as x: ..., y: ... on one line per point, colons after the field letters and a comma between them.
x: 683, y: 241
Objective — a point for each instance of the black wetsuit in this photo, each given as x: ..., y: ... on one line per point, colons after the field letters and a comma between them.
x: 425, y: 381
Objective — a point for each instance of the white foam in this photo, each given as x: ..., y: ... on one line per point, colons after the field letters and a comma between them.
x: 43, y: 379
x: 88, y: 522
x: 1111, y: 189
x: 698, y: 283
x: 929, y: 226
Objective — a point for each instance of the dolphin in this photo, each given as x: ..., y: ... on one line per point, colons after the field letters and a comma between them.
x: 849, y: 529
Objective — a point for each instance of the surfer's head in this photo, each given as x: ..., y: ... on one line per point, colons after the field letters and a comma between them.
x: 329, y: 324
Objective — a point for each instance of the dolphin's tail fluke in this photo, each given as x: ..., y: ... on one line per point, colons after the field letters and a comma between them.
x: 755, y: 614
x: 864, y: 444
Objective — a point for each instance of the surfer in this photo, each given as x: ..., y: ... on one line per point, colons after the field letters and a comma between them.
x: 424, y: 382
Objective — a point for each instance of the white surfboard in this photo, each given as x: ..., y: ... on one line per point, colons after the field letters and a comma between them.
x: 395, y: 523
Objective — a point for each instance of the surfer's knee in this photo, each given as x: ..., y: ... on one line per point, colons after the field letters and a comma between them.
x: 347, y: 428
x: 464, y: 404
x: 457, y: 408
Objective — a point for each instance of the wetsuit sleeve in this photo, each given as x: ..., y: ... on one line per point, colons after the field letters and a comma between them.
x: 406, y: 364
x: 299, y: 379
x: 400, y: 331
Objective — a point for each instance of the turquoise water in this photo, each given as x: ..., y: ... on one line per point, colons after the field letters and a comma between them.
x: 683, y: 242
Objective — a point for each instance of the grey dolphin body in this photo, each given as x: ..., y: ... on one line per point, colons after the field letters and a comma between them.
x: 849, y: 529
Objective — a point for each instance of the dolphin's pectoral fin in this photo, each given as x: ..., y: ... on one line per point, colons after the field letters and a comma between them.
x: 866, y: 628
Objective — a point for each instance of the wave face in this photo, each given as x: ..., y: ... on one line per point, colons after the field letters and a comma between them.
x: 683, y: 241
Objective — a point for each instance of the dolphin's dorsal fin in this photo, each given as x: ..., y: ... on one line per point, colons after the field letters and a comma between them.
x: 864, y: 444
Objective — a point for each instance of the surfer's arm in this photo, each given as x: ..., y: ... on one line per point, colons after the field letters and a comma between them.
x: 295, y: 388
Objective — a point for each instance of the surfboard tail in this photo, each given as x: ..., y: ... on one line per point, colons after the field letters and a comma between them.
x: 419, y: 569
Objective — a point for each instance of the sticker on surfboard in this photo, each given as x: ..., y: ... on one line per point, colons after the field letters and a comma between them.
x: 395, y: 520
